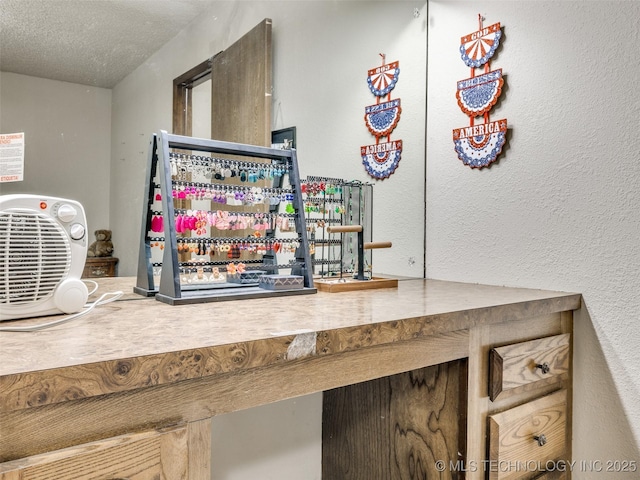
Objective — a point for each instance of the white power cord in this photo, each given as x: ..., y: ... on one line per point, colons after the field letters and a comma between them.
x: 102, y: 300
x: 95, y: 285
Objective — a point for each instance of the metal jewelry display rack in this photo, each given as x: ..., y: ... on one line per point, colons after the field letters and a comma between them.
x: 331, y: 202
x: 339, y: 222
x: 324, y: 205
x: 232, y: 246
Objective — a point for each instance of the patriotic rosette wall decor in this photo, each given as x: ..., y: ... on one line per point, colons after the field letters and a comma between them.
x: 477, y: 48
x: 382, y: 118
x: 382, y: 159
x: 383, y: 79
x: 479, y: 145
x: 477, y: 95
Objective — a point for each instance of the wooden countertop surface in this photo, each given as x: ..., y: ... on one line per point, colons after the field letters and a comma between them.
x: 138, y: 342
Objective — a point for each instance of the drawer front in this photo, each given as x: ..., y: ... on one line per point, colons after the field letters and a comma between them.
x: 526, y: 363
x: 523, y: 439
x: 145, y: 456
x: 556, y: 475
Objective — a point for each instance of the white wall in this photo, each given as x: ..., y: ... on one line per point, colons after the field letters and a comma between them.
x: 560, y: 209
x: 67, y: 141
x: 279, y: 441
x: 322, y: 51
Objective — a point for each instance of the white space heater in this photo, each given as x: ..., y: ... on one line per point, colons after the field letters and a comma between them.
x: 43, y: 247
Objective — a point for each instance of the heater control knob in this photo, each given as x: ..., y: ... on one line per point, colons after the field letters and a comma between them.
x: 66, y: 212
x: 77, y: 231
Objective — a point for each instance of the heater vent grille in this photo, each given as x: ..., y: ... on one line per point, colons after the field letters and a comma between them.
x: 35, y: 256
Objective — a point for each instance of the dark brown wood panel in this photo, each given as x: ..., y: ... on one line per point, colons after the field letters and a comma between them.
x: 396, y: 427
x: 241, y: 89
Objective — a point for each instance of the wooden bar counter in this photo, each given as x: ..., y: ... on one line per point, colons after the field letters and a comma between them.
x: 129, y: 390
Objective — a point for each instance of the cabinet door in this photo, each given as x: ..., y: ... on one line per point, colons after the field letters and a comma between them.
x: 241, y: 89
x: 397, y: 427
x: 154, y: 455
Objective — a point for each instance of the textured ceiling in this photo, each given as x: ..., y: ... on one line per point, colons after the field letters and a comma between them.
x: 90, y: 42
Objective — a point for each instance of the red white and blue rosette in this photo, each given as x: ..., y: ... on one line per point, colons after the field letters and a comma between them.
x: 477, y: 95
x: 478, y: 146
x: 382, y: 118
x: 478, y: 47
x: 383, y: 79
x: 382, y: 159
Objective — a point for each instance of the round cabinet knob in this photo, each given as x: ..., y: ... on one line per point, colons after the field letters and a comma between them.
x: 77, y: 231
x: 541, y: 439
x: 66, y: 213
x: 544, y: 367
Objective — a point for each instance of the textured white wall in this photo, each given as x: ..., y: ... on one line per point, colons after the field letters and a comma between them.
x: 560, y: 209
x: 67, y: 141
x: 279, y: 441
x: 321, y: 53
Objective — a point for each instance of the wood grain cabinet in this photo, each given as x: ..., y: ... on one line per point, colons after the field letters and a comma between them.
x: 531, y: 438
x: 97, y: 267
x: 430, y: 379
x: 152, y: 455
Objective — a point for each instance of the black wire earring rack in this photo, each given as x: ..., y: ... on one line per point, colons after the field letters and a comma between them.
x: 332, y: 202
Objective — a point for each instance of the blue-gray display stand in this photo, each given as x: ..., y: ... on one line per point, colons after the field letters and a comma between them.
x: 170, y: 289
